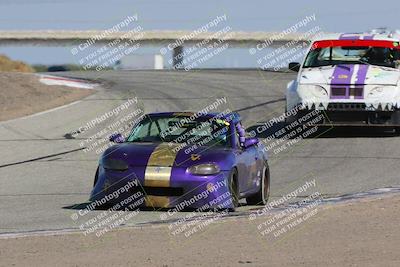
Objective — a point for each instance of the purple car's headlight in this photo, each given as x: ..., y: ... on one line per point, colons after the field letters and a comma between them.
x: 114, y: 164
x: 204, y: 169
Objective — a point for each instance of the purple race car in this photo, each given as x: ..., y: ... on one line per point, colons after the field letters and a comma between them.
x: 183, y: 160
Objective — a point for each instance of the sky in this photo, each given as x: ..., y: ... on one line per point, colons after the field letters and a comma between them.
x: 258, y: 15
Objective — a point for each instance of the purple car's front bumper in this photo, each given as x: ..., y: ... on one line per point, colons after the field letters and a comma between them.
x: 183, y: 190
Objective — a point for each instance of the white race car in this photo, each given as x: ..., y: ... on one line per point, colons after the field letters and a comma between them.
x: 353, y: 78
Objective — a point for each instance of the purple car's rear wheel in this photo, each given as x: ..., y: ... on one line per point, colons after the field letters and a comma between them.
x: 261, y: 197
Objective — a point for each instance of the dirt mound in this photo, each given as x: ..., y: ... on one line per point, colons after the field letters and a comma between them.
x: 22, y: 94
x: 7, y: 64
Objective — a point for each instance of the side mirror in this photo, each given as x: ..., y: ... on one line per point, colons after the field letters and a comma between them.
x: 117, y: 138
x: 294, y: 66
x: 248, y: 142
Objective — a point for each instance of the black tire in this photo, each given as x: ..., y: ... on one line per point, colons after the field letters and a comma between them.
x: 234, y: 189
x: 290, y: 119
x: 261, y: 197
x: 96, y: 177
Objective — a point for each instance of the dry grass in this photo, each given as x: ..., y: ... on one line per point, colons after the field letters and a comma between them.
x: 6, y: 64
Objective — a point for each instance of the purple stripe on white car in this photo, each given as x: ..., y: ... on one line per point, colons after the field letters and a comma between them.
x: 360, y: 81
x: 369, y: 37
x: 342, y: 74
x: 355, y: 36
x: 349, y: 36
x: 340, y: 81
x: 341, y: 71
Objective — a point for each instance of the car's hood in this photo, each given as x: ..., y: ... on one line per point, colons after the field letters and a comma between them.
x: 356, y: 74
x: 163, y: 154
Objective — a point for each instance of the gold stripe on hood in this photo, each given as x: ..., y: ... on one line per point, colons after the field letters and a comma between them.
x: 159, y: 166
x: 157, y: 201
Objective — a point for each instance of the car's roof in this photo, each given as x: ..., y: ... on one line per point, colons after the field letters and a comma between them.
x: 235, y: 116
x: 372, y: 35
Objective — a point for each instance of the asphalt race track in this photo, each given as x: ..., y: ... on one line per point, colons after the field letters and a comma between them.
x: 44, y: 172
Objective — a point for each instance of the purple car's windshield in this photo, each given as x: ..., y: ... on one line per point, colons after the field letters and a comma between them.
x: 181, y: 129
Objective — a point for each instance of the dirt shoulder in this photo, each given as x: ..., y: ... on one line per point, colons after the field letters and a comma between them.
x: 359, y: 234
x: 22, y: 94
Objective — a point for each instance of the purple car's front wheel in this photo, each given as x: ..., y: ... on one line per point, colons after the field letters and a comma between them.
x: 96, y: 177
x: 233, y: 188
